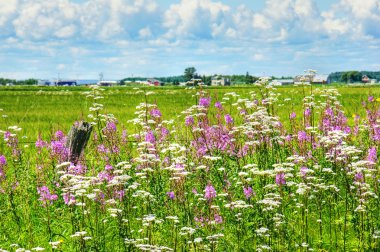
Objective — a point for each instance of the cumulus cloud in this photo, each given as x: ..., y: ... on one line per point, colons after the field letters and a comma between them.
x: 196, y: 19
x: 354, y: 19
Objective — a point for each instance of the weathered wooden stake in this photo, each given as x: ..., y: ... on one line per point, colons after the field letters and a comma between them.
x: 77, y: 139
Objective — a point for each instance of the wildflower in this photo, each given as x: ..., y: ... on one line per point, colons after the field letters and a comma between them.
x: 210, y: 192
x: 111, y: 126
x: 228, y: 119
x: 218, y: 219
x: 293, y: 115
x: 149, y: 137
x: 302, y: 136
x: 372, y: 155
x: 307, y: 112
x: 248, y: 192
x: 359, y: 177
x: 218, y: 105
x: 156, y: 113
x: 189, y: 120
x: 205, y: 102
x: 371, y: 98
x: 59, y: 135
x: 171, y: 195
x: 3, y: 161
x: 46, y: 196
x: 280, y: 178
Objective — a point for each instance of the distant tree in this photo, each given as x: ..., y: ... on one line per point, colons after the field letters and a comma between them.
x: 189, y: 73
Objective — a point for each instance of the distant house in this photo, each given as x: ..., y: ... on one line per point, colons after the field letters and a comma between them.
x: 220, y: 81
x: 45, y: 83
x: 373, y: 81
x: 154, y: 82
x: 316, y: 79
x: 194, y: 82
x: 320, y: 79
x: 365, y: 79
x: 106, y: 83
x: 301, y: 79
x: 284, y: 81
x: 65, y: 83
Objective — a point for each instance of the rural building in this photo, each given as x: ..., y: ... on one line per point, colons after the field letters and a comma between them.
x: 220, y: 81
x: 316, y: 79
x: 154, y: 82
x: 284, y: 82
x: 194, y: 82
x: 320, y: 79
x: 365, y: 79
x: 106, y: 83
x: 65, y: 83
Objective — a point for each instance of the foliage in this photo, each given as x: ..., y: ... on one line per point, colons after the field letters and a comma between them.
x: 240, y: 169
x: 353, y: 76
x: 189, y: 73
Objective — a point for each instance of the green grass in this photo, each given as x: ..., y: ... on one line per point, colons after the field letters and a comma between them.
x: 43, y: 110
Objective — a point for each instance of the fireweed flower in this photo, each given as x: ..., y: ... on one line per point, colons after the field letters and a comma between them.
x: 59, y: 135
x: 302, y: 136
x: 46, y: 196
x: 205, y: 102
x: 292, y: 115
x: 111, y: 127
x: 210, y: 192
x: 218, y: 105
x: 307, y: 112
x: 3, y: 162
x: 371, y: 98
x: 372, y: 155
x: 156, y: 113
x: 149, y: 137
x: 228, y: 119
x: 280, y: 178
x: 170, y: 195
x: 189, y: 120
x: 248, y: 192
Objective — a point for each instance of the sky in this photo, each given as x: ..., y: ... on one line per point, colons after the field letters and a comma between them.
x: 79, y: 39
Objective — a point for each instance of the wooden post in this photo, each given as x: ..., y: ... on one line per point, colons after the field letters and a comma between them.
x: 77, y: 139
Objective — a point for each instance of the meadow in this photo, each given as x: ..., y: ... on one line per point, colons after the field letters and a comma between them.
x: 249, y: 168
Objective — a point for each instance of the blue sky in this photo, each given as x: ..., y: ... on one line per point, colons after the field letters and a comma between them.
x: 121, y: 38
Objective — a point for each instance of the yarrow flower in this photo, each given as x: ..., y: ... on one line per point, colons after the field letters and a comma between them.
x: 210, y: 192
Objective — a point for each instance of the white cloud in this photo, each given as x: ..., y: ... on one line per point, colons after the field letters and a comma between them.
x: 196, y: 19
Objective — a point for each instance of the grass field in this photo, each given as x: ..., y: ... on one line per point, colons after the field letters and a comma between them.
x: 247, y: 168
x: 46, y: 109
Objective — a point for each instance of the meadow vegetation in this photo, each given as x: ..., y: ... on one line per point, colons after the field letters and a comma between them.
x: 250, y: 168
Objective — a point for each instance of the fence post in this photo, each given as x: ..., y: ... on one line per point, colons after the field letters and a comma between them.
x: 77, y: 139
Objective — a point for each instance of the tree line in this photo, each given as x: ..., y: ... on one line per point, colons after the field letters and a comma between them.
x: 5, y: 81
x: 353, y: 76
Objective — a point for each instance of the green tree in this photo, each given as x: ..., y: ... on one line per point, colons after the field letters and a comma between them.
x: 189, y: 73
